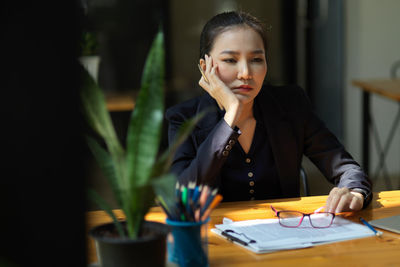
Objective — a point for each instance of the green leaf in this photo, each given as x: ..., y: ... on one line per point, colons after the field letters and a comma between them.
x: 97, y: 114
x: 104, y: 206
x: 131, y: 172
x: 164, y: 188
x: 144, y: 131
x: 106, y: 164
x: 142, y: 199
x: 144, y: 135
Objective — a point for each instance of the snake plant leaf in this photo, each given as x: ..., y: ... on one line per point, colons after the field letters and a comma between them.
x: 104, y: 206
x: 97, y: 115
x: 144, y: 130
x: 107, y: 166
x: 140, y: 203
x: 164, y: 188
x: 134, y: 175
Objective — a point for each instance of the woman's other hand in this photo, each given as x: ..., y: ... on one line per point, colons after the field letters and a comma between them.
x: 343, y: 199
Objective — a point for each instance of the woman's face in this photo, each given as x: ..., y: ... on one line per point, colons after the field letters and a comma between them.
x: 240, y: 55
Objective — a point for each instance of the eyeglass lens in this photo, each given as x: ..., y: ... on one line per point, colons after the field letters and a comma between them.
x: 293, y: 219
x: 323, y: 219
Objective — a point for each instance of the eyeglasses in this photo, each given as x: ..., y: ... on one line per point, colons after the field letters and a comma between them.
x: 292, y: 219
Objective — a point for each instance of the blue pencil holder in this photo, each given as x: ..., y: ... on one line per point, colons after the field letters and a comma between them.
x: 188, y: 245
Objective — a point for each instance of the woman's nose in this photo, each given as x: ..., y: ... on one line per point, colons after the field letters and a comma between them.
x: 244, y: 72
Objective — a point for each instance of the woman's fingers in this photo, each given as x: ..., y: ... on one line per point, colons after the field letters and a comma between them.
x: 332, y: 200
x: 206, y: 86
x: 357, y: 201
x: 211, y: 72
x: 214, y: 79
x: 343, y: 203
x: 208, y: 64
x: 203, y: 83
x: 342, y: 199
x: 216, y: 87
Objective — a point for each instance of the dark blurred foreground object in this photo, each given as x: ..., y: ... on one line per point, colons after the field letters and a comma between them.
x: 42, y: 177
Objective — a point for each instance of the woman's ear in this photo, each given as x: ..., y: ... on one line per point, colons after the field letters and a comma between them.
x: 203, y: 64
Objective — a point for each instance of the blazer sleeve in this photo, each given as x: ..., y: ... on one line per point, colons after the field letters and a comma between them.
x: 323, y: 148
x: 202, y: 155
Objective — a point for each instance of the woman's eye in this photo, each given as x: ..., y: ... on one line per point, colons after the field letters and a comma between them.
x: 229, y: 60
x: 257, y: 59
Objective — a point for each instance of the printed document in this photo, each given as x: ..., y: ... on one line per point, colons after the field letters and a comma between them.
x: 267, y: 235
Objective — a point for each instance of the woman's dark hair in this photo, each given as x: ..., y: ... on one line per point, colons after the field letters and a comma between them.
x: 223, y: 22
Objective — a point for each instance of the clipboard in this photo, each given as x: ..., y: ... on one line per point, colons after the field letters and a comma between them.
x: 254, y: 249
x: 269, y: 236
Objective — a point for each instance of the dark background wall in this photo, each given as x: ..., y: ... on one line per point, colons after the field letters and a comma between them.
x: 42, y: 168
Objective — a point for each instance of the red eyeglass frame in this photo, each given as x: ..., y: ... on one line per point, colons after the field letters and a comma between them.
x: 301, y: 220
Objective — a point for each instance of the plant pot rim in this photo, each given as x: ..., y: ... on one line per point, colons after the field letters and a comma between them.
x: 186, y: 224
x: 161, y: 230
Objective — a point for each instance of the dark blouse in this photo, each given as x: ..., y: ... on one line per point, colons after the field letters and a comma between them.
x: 253, y: 175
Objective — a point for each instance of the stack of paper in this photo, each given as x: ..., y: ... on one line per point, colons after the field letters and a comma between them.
x: 267, y: 235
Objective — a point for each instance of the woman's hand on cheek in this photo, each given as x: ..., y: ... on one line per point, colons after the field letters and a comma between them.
x: 220, y: 91
x: 342, y: 199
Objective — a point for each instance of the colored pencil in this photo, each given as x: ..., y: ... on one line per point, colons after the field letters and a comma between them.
x: 212, y: 206
x: 192, y: 203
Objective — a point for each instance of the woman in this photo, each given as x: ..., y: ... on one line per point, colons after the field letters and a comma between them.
x: 252, y: 145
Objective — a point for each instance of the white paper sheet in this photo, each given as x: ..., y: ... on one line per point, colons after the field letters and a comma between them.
x: 271, y: 236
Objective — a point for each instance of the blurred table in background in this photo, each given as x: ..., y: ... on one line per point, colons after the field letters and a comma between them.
x: 388, y: 88
x: 120, y: 101
x: 370, y: 251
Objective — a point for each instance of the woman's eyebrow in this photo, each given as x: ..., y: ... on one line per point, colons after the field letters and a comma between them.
x: 259, y: 51
x: 231, y: 52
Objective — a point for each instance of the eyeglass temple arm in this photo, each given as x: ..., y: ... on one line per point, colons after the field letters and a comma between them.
x: 275, y: 211
x: 319, y: 209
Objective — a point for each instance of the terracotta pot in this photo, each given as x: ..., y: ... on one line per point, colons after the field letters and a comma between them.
x: 147, y: 250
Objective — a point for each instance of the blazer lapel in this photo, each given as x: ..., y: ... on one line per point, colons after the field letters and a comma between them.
x: 283, y: 142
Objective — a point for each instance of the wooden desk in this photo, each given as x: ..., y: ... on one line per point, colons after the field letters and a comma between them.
x: 386, y: 88
x: 120, y: 101
x: 371, y: 251
x: 389, y: 88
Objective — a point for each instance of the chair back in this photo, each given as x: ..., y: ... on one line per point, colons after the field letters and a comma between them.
x: 304, y: 182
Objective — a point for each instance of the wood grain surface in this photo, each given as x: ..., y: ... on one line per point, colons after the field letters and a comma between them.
x: 371, y: 251
x: 120, y: 101
x: 389, y: 88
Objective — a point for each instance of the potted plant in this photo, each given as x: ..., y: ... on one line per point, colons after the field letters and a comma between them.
x: 135, y: 172
x: 90, y: 58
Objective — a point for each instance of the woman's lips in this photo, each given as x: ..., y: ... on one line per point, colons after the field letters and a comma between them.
x: 243, y: 88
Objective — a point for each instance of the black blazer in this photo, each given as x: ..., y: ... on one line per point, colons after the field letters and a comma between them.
x: 293, y: 130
